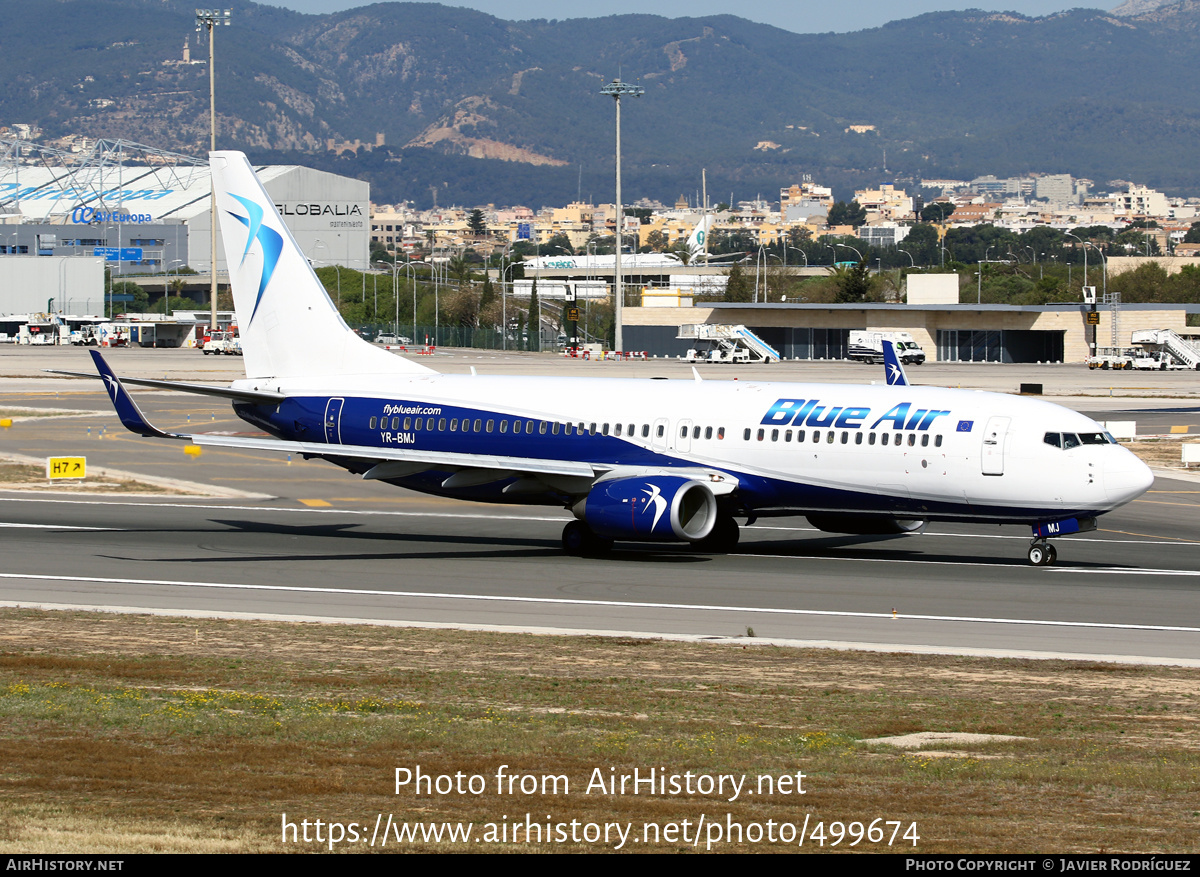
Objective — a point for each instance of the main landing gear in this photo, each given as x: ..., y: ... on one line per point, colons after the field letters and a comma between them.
x: 1042, y: 553
x: 722, y: 539
x: 578, y: 540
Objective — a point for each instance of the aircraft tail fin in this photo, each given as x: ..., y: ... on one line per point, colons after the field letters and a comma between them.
x: 288, y: 325
x: 892, y: 366
x: 697, y: 242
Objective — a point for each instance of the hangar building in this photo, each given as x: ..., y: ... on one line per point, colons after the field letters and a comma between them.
x: 147, y: 211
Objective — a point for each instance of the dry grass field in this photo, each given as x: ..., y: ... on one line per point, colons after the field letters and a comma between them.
x: 125, y: 733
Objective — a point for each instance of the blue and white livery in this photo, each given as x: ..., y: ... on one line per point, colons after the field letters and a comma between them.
x: 637, y: 460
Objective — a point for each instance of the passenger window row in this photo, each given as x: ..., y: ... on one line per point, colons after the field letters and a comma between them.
x: 800, y: 436
x: 831, y: 436
x: 517, y: 427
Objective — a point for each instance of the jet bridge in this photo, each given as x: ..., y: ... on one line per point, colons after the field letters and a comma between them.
x: 714, y: 342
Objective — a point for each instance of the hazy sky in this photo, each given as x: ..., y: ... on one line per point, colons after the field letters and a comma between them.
x: 789, y: 14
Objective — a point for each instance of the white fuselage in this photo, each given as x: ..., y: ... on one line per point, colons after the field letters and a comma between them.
x: 915, y: 451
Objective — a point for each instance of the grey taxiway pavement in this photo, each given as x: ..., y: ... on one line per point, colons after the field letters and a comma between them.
x: 316, y: 543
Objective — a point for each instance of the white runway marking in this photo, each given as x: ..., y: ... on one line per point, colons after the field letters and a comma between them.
x: 566, y: 601
x: 54, y: 527
x: 557, y: 519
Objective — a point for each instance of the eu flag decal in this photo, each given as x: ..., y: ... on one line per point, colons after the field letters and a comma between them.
x: 965, y: 425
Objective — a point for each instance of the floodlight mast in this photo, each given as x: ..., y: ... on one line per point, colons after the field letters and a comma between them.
x: 207, y: 19
x: 617, y: 89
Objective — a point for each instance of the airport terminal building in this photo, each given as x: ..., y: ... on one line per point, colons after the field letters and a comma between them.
x: 947, y: 332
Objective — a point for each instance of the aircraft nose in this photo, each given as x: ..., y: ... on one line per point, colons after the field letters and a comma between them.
x: 1126, y: 477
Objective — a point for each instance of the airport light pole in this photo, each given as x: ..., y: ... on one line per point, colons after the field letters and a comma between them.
x: 318, y: 242
x: 208, y: 19
x: 848, y: 247
x: 505, y: 255
x: 167, y: 278
x: 412, y: 279
x: 616, y: 90
x: 1078, y: 238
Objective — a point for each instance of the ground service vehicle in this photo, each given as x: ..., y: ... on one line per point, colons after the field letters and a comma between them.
x: 867, y: 346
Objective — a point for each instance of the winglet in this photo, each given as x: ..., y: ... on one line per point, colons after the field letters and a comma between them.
x: 892, y: 367
x: 131, y: 416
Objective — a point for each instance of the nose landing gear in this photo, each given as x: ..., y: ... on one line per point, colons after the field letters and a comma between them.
x: 1042, y: 553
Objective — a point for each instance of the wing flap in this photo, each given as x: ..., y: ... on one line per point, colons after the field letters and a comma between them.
x: 430, y: 459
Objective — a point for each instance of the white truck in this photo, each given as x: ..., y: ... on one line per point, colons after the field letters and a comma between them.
x: 1164, y: 349
x: 223, y: 342
x: 1155, y: 360
x: 867, y: 346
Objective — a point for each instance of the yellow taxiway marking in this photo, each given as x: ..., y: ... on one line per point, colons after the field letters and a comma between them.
x: 1164, y: 502
x: 315, y: 503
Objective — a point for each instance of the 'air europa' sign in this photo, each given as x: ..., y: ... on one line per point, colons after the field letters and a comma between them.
x: 88, y: 215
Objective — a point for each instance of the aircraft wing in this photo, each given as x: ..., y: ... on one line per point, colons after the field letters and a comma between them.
x: 425, y: 459
x: 723, y: 259
x: 569, y: 476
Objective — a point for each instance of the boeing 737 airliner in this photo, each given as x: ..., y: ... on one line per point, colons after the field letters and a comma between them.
x: 636, y: 460
x: 634, y: 262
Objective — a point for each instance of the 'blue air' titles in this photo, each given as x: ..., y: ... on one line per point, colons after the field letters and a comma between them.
x: 807, y: 412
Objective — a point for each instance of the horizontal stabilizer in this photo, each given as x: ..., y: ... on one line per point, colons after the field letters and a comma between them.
x: 257, y: 396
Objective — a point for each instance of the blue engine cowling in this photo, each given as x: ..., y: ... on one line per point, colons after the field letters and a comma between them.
x: 665, y: 508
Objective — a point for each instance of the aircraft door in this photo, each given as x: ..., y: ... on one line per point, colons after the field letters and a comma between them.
x: 994, y: 436
x: 683, y: 436
x: 333, y: 421
x: 659, y: 437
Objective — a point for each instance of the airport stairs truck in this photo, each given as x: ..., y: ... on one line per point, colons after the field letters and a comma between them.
x: 1168, y: 341
x: 721, y: 343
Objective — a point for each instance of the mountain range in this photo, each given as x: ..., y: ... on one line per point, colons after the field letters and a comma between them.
x: 474, y: 109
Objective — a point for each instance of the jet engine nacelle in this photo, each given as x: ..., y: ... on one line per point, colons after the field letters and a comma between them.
x: 865, y: 525
x: 666, y: 508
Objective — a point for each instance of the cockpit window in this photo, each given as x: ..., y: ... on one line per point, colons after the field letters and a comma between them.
x: 1068, y: 440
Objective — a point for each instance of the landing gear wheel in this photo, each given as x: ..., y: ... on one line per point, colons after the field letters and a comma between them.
x: 1042, y: 554
x: 575, y: 536
x: 723, y: 538
x: 578, y: 540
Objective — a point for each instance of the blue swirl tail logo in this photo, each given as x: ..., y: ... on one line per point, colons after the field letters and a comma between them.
x: 270, y: 240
